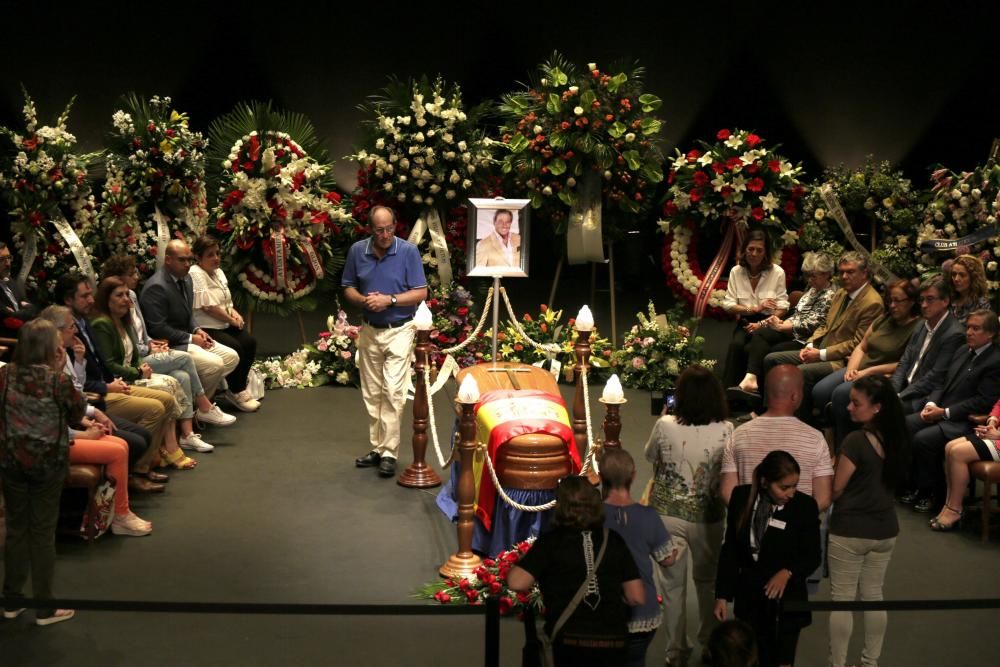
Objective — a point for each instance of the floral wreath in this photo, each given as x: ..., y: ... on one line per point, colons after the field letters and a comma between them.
x: 569, y: 125
x: 732, y: 185
x: 51, y: 205
x: 876, y: 196
x: 965, y: 208
x: 280, y: 223
x: 155, y: 189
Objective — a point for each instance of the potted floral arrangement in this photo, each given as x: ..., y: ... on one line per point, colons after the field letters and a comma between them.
x: 575, y: 133
x: 879, y: 202
x: 964, y: 207
x: 155, y: 188
x: 490, y: 581
x: 331, y: 359
x: 655, y: 352
x: 424, y: 155
x: 284, y: 229
x: 44, y: 183
x: 717, y: 190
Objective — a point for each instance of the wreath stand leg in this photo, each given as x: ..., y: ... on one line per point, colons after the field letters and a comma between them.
x: 611, y: 284
x: 250, y: 319
x: 302, y: 327
x: 555, y: 281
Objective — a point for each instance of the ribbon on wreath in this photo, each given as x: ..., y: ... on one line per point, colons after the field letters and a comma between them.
x: 162, y: 236
x: 584, y: 237
x: 884, y: 275
x: 313, y: 257
x: 734, y: 232
x: 280, y: 275
x: 942, y: 245
x: 430, y: 221
x: 75, y: 245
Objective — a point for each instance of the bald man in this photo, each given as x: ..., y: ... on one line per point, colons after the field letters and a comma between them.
x: 166, y: 302
x: 780, y: 429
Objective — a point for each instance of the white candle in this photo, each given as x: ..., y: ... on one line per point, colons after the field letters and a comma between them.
x: 584, y: 320
x: 613, y: 392
x: 423, y: 320
x: 468, y: 391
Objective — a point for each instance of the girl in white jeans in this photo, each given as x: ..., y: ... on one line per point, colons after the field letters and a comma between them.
x: 863, y: 524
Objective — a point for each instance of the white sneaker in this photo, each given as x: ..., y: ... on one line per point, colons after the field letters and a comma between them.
x: 242, y: 401
x: 215, y: 416
x: 194, y: 443
x: 59, y: 616
x: 131, y: 525
x: 13, y: 613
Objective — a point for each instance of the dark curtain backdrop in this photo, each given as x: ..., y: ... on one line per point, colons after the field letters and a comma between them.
x: 832, y: 82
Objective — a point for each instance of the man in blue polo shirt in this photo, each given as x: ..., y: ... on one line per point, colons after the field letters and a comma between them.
x: 384, y: 276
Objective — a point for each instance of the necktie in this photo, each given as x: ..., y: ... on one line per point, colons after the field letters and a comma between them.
x: 180, y: 288
x: 920, y: 357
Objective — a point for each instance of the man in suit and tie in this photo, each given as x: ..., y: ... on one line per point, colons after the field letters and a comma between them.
x: 855, y: 306
x: 167, y: 306
x: 16, y: 309
x: 969, y: 386
x: 500, y: 247
x: 930, y: 348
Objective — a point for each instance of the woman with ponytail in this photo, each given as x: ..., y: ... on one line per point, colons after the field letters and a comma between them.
x: 771, y: 546
x: 863, y: 525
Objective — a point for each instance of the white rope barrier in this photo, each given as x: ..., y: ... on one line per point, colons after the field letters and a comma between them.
x: 553, y: 348
x: 479, y: 327
x: 589, y: 458
x: 433, y: 424
x: 510, y: 501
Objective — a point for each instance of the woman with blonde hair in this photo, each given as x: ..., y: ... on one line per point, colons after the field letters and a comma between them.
x: 969, y: 289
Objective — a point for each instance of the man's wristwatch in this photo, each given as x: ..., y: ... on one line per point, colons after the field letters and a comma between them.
x: 392, y: 299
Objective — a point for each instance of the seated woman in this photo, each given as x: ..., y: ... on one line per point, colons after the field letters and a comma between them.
x: 117, y: 343
x: 878, y: 353
x: 580, y: 552
x: 756, y: 291
x: 969, y: 289
x: 983, y: 445
x: 215, y: 313
x: 775, y: 334
x: 163, y: 359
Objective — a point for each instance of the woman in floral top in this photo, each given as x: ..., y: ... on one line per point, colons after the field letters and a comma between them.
x: 37, y: 403
x: 686, y: 451
x: 776, y: 335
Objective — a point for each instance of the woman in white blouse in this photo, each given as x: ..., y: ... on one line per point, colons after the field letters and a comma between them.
x: 214, y: 311
x: 756, y: 291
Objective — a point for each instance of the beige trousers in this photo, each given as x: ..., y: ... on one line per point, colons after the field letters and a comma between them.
x: 213, y: 364
x: 698, y: 546
x: 384, y: 362
x: 152, y: 409
x: 857, y: 566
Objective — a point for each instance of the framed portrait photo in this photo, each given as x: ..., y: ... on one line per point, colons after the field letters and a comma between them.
x: 498, y: 238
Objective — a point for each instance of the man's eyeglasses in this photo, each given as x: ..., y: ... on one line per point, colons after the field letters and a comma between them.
x: 6, y: 258
x: 383, y: 231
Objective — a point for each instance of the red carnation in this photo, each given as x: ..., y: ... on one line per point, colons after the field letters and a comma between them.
x: 757, y: 213
x: 671, y: 177
x: 726, y: 191
x: 774, y: 165
x: 222, y: 225
x: 755, y: 184
x: 333, y: 197
x: 695, y: 195
x: 506, y: 604
x: 442, y: 597
x: 723, y: 134
x: 718, y: 168
x: 753, y: 167
x: 798, y: 192
x: 790, y: 207
x: 669, y: 209
x: 693, y: 154
x: 734, y: 163
x: 752, y: 140
x: 700, y: 178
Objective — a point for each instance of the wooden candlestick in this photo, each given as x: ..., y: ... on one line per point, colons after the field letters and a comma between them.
x: 463, y: 563
x: 612, y: 424
x: 420, y: 475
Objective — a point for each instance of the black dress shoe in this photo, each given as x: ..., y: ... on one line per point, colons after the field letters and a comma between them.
x: 157, y: 477
x: 387, y: 467
x: 923, y: 505
x: 369, y: 460
x: 910, y: 497
x: 143, y: 485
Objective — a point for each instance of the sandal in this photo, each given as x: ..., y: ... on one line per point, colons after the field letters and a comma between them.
x: 942, y: 527
x: 177, y: 460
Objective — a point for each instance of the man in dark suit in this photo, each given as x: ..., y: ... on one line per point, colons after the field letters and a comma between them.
x: 16, y: 310
x: 968, y: 387
x: 855, y: 306
x: 930, y: 348
x: 167, y: 301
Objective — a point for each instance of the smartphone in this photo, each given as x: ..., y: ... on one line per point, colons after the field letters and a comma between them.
x: 670, y: 402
